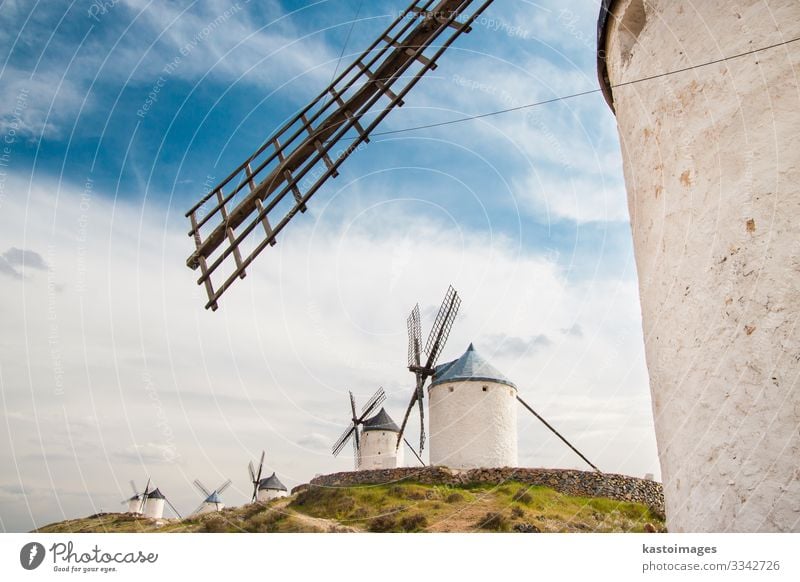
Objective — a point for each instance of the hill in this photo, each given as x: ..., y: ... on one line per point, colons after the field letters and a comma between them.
x: 400, y: 507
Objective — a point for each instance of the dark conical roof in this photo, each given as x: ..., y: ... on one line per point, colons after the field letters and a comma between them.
x: 155, y: 494
x: 469, y: 367
x: 381, y: 421
x: 272, y: 482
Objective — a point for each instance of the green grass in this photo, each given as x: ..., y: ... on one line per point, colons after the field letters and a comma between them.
x: 401, y: 507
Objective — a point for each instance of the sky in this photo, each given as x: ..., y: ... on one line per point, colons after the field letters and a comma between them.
x: 116, y: 115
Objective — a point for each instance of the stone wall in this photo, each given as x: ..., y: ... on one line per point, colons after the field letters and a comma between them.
x: 569, y: 482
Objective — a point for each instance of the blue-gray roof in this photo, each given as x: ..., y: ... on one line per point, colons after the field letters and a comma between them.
x: 380, y: 421
x: 272, y: 482
x: 469, y: 367
x: 213, y: 498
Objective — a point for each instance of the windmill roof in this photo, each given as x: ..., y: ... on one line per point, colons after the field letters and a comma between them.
x: 213, y: 498
x: 381, y: 421
x: 471, y: 366
x: 155, y: 494
x: 136, y: 497
x: 272, y: 482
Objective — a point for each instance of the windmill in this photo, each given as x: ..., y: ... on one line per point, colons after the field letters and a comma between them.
x: 255, y: 477
x: 276, y: 182
x: 437, y: 338
x: 211, y: 499
x: 149, y: 503
x: 352, y: 431
x: 135, y: 503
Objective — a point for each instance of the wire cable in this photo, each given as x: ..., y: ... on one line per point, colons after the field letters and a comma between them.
x: 347, y: 40
x: 583, y: 93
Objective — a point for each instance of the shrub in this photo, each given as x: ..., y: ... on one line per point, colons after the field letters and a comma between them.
x: 265, y: 522
x: 522, y: 496
x: 382, y: 523
x: 493, y: 521
x: 215, y: 524
x: 517, y: 512
x: 454, y: 498
x: 414, y: 522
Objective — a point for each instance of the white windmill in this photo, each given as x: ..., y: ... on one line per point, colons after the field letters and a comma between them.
x: 149, y: 503
x: 268, y: 488
x: 134, y: 503
x: 211, y: 499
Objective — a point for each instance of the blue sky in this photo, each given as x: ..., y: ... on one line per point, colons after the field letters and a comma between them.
x: 112, y: 139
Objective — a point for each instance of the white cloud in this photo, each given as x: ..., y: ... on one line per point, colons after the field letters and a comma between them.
x: 126, y: 342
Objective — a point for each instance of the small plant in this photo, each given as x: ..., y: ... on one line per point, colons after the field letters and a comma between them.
x: 215, y: 524
x: 414, y: 522
x: 265, y: 522
x: 454, y: 498
x: 396, y: 491
x: 493, y: 521
x: 517, y: 512
x: 382, y: 523
x: 522, y: 496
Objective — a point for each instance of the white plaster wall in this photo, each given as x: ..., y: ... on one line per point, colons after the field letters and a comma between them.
x: 134, y: 505
x: 154, y: 508
x: 378, y: 450
x: 471, y: 427
x: 712, y: 170
x: 269, y: 494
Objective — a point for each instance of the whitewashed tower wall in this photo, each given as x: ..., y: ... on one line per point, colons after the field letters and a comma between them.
x: 712, y: 169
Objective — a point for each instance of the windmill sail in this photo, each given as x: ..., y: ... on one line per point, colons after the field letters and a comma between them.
x: 356, y: 421
x: 258, y: 199
x: 437, y: 338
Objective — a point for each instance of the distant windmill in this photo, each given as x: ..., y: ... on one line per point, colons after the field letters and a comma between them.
x: 150, y: 502
x: 135, y: 503
x: 212, y: 501
x: 437, y: 338
x: 255, y: 477
x: 352, y: 431
x: 259, y: 198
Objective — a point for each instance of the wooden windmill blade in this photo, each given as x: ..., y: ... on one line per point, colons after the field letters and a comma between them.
x: 377, y: 399
x: 198, y: 509
x: 144, y: 496
x: 275, y: 183
x: 413, y: 401
x: 342, y: 441
x: 224, y: 486
x: 201, y: 488
x: 356, y: 451
x: 442, y: 325
x: 251, y: 471
x: 414, y: 336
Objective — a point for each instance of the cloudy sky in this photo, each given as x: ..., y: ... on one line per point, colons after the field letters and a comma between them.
x: 110, y: 368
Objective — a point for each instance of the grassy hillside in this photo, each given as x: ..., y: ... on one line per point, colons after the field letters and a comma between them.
x: 402, y: 507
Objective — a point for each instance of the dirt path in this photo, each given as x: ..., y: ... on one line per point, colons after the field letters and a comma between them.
x: 317, y: 523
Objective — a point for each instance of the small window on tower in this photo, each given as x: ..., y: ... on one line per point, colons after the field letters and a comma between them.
x: 451, y: 388
x: 485, y: 388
